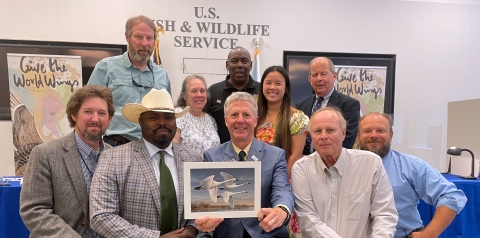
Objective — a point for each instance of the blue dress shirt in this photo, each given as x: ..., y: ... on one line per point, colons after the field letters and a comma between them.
x: 412, y: 179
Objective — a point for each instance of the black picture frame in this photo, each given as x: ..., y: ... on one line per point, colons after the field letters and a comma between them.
x: 297, y: 64
x: 90, y: 53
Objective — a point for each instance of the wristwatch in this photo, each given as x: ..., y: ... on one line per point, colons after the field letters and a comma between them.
x: 285, y: 222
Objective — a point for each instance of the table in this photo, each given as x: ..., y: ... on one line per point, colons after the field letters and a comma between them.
x: 467, y: 222
x: 11, y: 225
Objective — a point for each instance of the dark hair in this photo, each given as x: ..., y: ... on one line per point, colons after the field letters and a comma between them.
x: 181, y: 102
x: 283, y: 138
x: 82, y: 94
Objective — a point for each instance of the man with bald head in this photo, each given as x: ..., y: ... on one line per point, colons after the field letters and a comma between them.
x: 238, y: 64
x: 322, y: 77
x: 341, y: 192
x: 412, y: 179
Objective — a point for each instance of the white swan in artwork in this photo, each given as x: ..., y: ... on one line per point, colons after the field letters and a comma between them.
x: 230, y: 184
x: 211, y: 185
x: 228, y: 197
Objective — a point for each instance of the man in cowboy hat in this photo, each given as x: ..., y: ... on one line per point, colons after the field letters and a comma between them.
x: 137, y: 190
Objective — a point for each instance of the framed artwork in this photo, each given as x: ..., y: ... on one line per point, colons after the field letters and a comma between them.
x: 90, y: 54
x: 369, y: 78
x: 222, y: 189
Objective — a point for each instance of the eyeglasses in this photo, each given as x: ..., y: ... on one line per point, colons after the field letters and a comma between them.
x: 141, y: 85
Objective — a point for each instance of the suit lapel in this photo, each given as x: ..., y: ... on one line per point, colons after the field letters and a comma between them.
x: 333, y: 101
x: 74, y: 168
x: 179, y: 159
x: 256, y: 150
x: 145, y: 163
x: 229, y: 152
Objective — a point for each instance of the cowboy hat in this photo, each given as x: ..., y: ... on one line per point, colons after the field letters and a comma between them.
x: 155, y: 101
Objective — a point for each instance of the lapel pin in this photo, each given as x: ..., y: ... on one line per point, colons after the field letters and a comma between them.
x: 254, y: 158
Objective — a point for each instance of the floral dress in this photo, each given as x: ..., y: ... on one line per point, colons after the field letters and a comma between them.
x: 266, y: 133
x: 198, y: 133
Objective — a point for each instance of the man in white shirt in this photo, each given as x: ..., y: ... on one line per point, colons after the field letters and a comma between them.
x: 341, y: 192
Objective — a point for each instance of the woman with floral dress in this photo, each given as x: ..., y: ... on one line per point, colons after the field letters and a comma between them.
x: 280, y: 124
x: 196, y: 129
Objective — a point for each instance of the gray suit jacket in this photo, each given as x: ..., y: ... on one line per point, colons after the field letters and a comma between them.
x: 275, y: 188
x: 125, y: 195
x: 54, y: 199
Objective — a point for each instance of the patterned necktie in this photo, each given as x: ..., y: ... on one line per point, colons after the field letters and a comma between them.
x: 242, y: 155
x: 308, y: 142
x: 168, y: 198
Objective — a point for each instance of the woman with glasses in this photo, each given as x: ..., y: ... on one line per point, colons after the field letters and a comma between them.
x: 196, y: 129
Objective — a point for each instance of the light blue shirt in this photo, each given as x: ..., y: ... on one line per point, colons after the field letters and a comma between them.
x: 412, y: 179
x: 116, y: 73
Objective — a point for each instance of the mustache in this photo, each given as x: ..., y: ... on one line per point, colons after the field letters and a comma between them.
x: 162, y: 127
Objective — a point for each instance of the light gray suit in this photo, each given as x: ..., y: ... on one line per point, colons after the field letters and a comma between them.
x: 54, y: 199
x: 125, y: 195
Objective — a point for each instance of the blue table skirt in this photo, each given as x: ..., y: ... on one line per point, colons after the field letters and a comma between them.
x: 467, y: 223
x: 11, y: 225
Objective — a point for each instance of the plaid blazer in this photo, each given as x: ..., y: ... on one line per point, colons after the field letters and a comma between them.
x: 125, y: 196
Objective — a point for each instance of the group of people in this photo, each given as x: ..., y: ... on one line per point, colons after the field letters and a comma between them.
x: 120, y: 172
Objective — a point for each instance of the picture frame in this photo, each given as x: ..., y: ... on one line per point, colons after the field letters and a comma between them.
x: 237, y: 196
x: 369, y: 78
x: 90, y: 53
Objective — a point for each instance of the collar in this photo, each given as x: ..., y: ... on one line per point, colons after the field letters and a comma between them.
x: 246, y: 150
x: 249, y: 84
x: 326, y: 96
x: 339, y: 164
x: 128, y: 64
x: 152, y: 149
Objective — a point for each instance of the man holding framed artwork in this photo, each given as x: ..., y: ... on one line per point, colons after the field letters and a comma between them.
x: 276, y: 197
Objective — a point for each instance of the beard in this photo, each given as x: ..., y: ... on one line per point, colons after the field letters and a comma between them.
x: 162, y: 141
x: 93, y: 136
x: 134, y: 53
x: 380, y: 151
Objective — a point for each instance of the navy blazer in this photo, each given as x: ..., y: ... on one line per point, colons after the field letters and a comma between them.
x: 350, y: 108
x: 275, y: 187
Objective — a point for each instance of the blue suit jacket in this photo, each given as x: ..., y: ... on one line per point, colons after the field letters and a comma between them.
x: 350, y: 108
x: 275, y: 188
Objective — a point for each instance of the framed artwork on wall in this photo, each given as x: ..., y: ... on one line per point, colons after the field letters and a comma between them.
x: 369, y: 78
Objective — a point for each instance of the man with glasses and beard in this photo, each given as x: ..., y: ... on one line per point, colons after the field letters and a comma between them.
x: 130, y: 77
x: 56, y: 185
x: 412, y: 179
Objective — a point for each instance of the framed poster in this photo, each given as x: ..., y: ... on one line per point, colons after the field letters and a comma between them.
x: 222, y: 189
x: 369, y: 78
x: 90, y: 54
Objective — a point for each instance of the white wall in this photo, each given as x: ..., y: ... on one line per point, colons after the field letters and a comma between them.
x: 436, y: 46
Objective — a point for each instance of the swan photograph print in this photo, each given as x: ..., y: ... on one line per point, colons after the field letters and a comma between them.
x: 222, y: 189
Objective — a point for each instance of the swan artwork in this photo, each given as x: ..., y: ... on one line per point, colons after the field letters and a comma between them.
x: 230, y: 184
x: 228, y: 197
x: 211, y: 185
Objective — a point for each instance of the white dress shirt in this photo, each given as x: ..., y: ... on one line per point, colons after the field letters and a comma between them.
x: 169, y: 161
x: 351, y: 199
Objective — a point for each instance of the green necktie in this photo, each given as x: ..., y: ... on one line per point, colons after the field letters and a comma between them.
x: 168, y: 198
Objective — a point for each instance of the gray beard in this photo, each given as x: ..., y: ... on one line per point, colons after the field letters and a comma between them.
x: 92, y: 136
